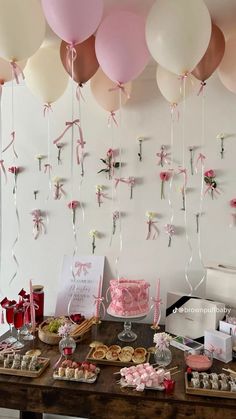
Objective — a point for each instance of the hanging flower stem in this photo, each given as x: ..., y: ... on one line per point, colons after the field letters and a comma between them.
x: 140, y: 150
x: 222, y: 148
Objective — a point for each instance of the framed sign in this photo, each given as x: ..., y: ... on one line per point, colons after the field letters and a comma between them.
x: 79, y: 285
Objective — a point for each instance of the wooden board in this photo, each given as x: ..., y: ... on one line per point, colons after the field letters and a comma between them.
x: 207, y: 392
x: 26, y: 373
x: 117, y: 363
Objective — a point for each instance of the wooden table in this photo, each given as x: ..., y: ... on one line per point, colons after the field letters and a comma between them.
x: 105, y: 399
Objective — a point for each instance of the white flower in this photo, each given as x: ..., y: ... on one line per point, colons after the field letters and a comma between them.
x: 150, y: 215
x: 220, y: 136
x: 65, y: 329
x: 99, y: 188
x: 56, y: 179
x: 39, y: 156
x: 93, y: 233
x: 162, y: 340
x: 140, y: 139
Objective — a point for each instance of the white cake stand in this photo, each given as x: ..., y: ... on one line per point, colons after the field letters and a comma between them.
x: 127, y: 334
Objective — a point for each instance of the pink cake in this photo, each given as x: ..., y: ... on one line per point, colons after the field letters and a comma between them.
x: 129, y: 297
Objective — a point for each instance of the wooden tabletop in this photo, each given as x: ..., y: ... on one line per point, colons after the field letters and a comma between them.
x: 106, y: 399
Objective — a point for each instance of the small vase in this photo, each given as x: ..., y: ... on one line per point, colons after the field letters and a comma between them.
x: 163, y: 357
x: 67, y: 346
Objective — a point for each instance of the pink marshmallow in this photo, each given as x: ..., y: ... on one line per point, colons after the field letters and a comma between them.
x: 149, y: 383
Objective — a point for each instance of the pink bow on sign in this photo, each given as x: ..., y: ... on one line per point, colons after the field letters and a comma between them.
x: 120, y: 86
x: 214, y: 349
x: 82, y: 268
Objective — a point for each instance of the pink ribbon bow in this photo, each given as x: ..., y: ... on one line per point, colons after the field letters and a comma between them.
x: 201, y: 158
x: 13, y: 135
x: 184, y: 172
x: 46, y: 108
x: 69, y: 125
x: 2, y: 167
x: 120, y: 86
x: 214, y: 349
x: 59, y: 191
x: 82, y: 268
x: 156, y: 304
x: 152, y: 226
x: 129, y: 181
x: 163, y: 156
x: 100, y: 195
x: 17, y: 72
x: 112, y: 117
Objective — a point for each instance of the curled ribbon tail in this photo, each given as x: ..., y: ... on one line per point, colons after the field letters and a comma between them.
x: 17, y: 71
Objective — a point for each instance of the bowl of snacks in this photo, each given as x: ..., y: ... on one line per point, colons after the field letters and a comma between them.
x: 198, y: 360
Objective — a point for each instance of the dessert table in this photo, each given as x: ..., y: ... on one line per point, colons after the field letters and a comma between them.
x: 106, y: 399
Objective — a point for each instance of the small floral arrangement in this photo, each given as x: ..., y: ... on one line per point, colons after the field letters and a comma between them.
x: 59, y: 148
x: 221, y: 137
x: 58, y: 188
x: 93, y: 234
x: 73, y: 205
x: 152, y: 228
x: 65, y: 329
x: 164, y: 176
x: 38, y: 225
x: 163, y: 156
x: 110, y: 163
x: 209, y: 178
x: 39, y: 157
x: 100, y: 194
x: 15, y: 171
x: 170, y: 230
x: 162, y: 340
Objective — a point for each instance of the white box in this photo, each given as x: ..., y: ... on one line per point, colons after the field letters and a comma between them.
x: 221, y: 283
x: 220, y: 344
x: 190, y: 316
x: 229, y: 329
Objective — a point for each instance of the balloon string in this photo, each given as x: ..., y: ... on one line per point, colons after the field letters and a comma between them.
x: 189, y: 262
x: 1, y: 194
x: 17, y: 233
x: 49, y: 166
x: 111, y: 126
x: 117, y: 262
x: 199, y: 215
x: 82, y: 163
x: 72, y: 182
x: 172, y: 171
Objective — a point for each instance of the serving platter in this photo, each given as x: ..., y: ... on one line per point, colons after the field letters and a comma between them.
x: 118, y: 363
x: 207, y: 392
x: 43, y: 362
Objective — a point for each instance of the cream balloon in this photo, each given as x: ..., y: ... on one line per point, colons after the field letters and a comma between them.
x: 170, y: 85
x: 6, y: 70
x: 178, y: 33
x: 227, y: 67
x: 109, y: 100
x: 22, y: 28
x: 45, y: 75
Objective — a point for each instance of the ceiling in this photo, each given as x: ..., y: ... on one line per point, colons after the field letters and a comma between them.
x: 223, y: 13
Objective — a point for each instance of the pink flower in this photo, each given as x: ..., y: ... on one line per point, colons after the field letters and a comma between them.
x: 109, y: 152
x: 73, y: 204
x: 210, y: 173
x: 165, y: 176
x: 233, y: 203
x: 13, y: 169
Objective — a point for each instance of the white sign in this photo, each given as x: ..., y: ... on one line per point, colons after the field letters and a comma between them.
x: 79, y: 284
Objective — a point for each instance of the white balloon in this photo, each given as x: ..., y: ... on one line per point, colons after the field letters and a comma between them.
x: 171, y: 86
x: 22, y: 28
x: 178, y: 33
x: 45, y: 75
x: 6, y: 70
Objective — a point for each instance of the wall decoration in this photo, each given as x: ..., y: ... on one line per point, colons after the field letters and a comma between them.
x: 15, y: 171
x: 191, y: 152
x: 209, y: 178
x: 140, y: 153
x: 73, y: 205
x: 233, y: 214
x: 94, y: 235
x: 100, y: 194
x: 164, y: 176
x: 183, y: 171
x: 163, y: 156
x: 59, y: 150
x: 153, y: 231
x: 170, y: 231
x: 221, y: 137
x: 39, y: 157
x: 58, y: 188
x: 110, y: 163
x: 81, y: 287
x: 130, y: 181
x: 38, y: 225
x: 35, y: 194
x: 12, y: 141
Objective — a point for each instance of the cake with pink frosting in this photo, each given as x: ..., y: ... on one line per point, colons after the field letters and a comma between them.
x: 129, y: 297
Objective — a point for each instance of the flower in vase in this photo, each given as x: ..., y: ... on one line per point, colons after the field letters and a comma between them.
x: 65, y: 329
x: 162, y: 340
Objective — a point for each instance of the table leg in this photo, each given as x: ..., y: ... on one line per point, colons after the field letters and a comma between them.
x: 31, y: 415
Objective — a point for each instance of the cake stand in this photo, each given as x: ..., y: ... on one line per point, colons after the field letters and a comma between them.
x: 127, y: 334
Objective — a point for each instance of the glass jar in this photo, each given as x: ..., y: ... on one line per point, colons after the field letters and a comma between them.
x: 67, y: 346
x: 163, y: 357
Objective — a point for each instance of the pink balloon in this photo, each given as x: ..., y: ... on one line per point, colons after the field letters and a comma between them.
x: 121, y: 46
x: 73, y: 20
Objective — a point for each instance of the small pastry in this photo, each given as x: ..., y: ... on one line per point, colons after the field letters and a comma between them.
x: 128, y: 349
x: 205, y: 383
x: 24, y: 365
x: 116, y: 348
x: 214, y: 385
x: 195, y: 382
x: 111, y: 355
x: 95, y: 343
x: 140, y: 352
x: 223, y: 385
x: 195, y: 374
x: 102, y: 347
x: 33, y: 352
x: 125, y: 356
x: 214, y: 376
x: 78, y: 374
x: 70, y: 372
x: 16, y: 365
x: 232, y: 386
x: 99, y: 354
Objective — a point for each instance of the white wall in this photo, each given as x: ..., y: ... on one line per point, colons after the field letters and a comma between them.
x: 147, y: 114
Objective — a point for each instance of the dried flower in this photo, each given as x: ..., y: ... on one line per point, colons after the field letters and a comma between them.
x: 15, y: 171
x: 233, y: 203
x: 209, y: 178
x: 210, y: 173
x: 170, y: 230
x: 164, y: 176
x: 152, y: 228
x: 94, y: 235
x: 39, y: 157
x: 150, y: 215
x: 58, y: 191
x: 73, y: 205
x: 65, y: 329
x: 140, y: 153
x: 110, y: 163
x: 59, y: 148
